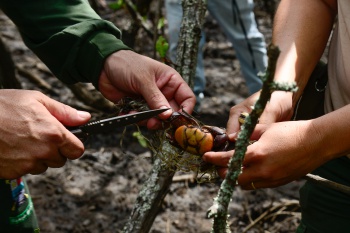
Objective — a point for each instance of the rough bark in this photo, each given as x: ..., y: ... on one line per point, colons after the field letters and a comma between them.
x: 192, y: 21
x: 151, y: 196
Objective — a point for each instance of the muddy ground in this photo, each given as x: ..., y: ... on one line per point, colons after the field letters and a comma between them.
x: 96, y: 193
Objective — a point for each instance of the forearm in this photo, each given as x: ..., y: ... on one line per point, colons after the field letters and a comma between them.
x: 71, y: 39
x: 301, y: 31
x: 332, y: 131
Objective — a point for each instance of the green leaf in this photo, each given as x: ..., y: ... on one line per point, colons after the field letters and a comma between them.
x: 160, y: 23
x: 116, y: 5
x: 162, y: 46
x: 140, y: 138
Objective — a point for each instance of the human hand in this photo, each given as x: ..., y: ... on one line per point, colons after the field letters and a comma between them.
x: 283, y: 152
x: 279, y: 108
x: 32, y: 133
x: 127, y: 73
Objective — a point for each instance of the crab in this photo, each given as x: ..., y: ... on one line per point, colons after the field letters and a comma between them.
x: 190, y: 135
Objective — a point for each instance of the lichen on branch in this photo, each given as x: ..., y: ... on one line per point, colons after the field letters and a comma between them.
x: 218, y: 211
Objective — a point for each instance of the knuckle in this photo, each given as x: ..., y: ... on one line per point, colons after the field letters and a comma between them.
x: 55, y: 136
x: 36, y: 93
x: 233, y: 110
x: 66, y: 110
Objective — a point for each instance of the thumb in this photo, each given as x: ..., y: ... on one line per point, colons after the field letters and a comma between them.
x: 258, y: 131
x: 267, y: 117
x: 65, y: 114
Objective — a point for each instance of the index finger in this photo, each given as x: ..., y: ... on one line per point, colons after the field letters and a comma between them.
x: 185, y: 98
x: 218, y: 158
x: 71, y: 148
x: 178, y: 93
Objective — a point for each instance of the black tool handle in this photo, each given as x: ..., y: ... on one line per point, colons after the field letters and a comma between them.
x: 83, y: 136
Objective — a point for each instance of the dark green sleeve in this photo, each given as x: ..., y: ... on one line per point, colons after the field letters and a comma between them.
x: 67, y: 35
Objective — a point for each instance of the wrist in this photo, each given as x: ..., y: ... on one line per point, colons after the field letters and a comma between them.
x: 284, y: 100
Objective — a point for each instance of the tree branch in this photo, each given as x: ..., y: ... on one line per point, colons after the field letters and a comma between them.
x: 192, y: 22
x: 150, y: 197
x: 219, y: 209
x: 156, y: 186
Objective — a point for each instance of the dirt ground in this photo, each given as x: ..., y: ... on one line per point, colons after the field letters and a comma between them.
x: 96, y: 193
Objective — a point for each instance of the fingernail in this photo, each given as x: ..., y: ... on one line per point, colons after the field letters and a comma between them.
x: 83, y: 114
x: 233, y: 136
x: 169, y: 111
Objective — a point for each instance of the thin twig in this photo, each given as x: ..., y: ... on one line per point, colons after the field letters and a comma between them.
x: 36, y: 79
x: 187, y: 177
x: 267, y: 213
x: 327, y: 183
x: 139, y: 19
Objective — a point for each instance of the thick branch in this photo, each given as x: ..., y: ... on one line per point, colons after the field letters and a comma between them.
x: 192, y: 22
x: 151, y: 196
x: 156, y: 186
